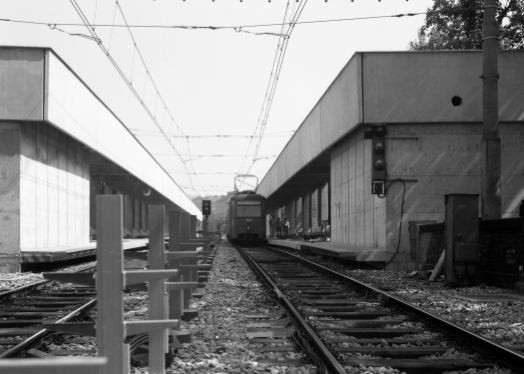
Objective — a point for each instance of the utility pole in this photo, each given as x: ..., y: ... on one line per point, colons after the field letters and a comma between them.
x: 491, y: 146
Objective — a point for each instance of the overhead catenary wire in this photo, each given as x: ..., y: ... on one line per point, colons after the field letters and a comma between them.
x: 148, y: 75
x: 141, y: 132
x: 281, y: 56
x: 213, y: 27
x: 215, y: 155
x: 282, y: 37
x: 298, y: 13
x: 235, y: 27
x: 95, y: 37
x: 273, y: 82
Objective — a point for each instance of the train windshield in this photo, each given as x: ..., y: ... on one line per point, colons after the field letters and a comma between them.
x: 249, y: 209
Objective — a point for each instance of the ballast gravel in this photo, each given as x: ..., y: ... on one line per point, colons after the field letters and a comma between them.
x: 11, y: 281
x: 502, y: 321
x: 232, y: 290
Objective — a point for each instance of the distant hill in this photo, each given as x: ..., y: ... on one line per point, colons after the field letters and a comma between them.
x: 219, y: 204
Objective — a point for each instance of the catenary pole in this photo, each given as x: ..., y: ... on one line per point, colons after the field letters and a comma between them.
x: 491, y: 145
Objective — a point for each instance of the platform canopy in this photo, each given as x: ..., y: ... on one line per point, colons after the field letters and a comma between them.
x: 37, y: 85
x: 390, y: 87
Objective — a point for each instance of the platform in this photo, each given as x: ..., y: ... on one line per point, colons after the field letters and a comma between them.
x: 353, y: 253
x: 69, y: 252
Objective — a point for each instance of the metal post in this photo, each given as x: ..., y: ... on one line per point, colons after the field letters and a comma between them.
x: 158, y: 343
x: 310, y: 211
x: 176, y: 303
x: 329, y: 202
x: 192, y: 227
x: 110, y: 331
x: 185, y: 227
x: 319, y: 206
x: 491, y: 146
x: 205, y: 222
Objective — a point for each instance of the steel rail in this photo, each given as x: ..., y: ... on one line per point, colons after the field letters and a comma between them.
x: 35, y: 285
x: 11, y: 352
x: 42, y: 333
x: 504, y: 355
x: 328, y: 359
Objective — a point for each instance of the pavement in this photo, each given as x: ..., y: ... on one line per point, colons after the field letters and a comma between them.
x: 326, y: 248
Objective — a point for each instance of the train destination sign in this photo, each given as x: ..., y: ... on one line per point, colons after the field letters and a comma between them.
x: 248, y: 202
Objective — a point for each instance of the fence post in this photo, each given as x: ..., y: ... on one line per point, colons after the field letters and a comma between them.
x: 192, y: 227
x: 187, y: 276
x: 110, y: 281
x: 110, y: 332
x: 176, y: 306
x: 158, y: 343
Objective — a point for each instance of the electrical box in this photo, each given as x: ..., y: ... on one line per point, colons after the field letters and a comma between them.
x: 462, y: 235
x: 206, y: 207
x: 413, y: 236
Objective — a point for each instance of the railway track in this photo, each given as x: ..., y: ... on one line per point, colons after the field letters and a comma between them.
x: 24, y: 310
x: 344, y: 322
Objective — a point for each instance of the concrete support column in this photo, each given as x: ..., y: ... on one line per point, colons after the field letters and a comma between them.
x: 93, y: 191
x: 299, y: 216
x: 192, y: 226
x: 291, y: 217
x: 268, y: 226
x: 143, y: 219
x: 129, y: 211
x: 10, y: 198
x: 329, y: 202
x: 306, y: 211
x: 314, y: 208
x: 136, y: 216
x: 320, y: 210
x: 324, y: 192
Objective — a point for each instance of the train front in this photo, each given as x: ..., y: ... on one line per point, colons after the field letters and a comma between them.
x: 247, y: 218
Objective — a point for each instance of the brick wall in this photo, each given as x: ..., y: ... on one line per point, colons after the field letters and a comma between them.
x: 501, y: 245
x: 431, y: 241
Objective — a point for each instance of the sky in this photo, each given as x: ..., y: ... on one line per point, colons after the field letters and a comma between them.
x: 211, y: 83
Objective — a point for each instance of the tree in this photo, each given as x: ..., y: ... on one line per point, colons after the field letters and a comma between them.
x: 457, y: 24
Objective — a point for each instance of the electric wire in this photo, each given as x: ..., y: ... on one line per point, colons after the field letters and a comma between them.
x: 135, y: 45
x: 95, y: 37
x: 235, y: 27
x: 275, y: 81
x: 141, y: 132
x: 268, y: 84
x: 292, y: 23
x: 401, y: 215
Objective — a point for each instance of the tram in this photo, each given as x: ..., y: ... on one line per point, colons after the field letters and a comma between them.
x: 246, y: 218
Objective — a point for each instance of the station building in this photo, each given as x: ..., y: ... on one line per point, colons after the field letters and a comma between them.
x: 60, y: 145
x: 431, y: 106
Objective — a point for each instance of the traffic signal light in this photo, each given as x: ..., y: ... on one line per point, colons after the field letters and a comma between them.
x: 206, y: 207
x: 377, y: 134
